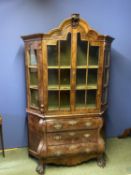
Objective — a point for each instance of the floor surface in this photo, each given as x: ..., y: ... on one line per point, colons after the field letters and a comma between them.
x: 118, y: 152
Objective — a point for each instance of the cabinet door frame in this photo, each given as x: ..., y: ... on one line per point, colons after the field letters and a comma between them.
x: 45, y: 44
x: 100, y: 44
x: 37, y: 47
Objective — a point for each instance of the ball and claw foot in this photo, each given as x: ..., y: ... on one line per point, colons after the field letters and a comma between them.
x: 101, y: 161
x: 40, y: 169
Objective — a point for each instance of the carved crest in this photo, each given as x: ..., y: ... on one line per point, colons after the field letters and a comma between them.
x: 75, y: 19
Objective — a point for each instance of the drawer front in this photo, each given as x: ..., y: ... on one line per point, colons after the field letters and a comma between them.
x: 71, y: 137
x: 72, y: 149
x: 54, y: 125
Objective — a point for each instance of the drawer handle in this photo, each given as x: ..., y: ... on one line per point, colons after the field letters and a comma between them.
x: 58, y: 126
x: 57, y: 137
x: 72, y: 147
x: 73, y: 122
x: 87, y: 150
x: 41, y: 121
x: 88, y: 124
x: 87, y: 135
x: 72, y: 133
x: 58, y: 153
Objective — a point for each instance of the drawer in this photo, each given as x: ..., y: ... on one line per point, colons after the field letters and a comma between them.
x: 54, y: 125
x: 71, y: 137
x: 72, y: 149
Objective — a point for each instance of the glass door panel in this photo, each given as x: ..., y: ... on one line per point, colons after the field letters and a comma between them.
x: 53, y: 79
x: 59, y: 64
x: 81, y: 78
x: 65, y: 51
x: 107, y: 58
x: 52, y: 55
x: 80, y: 98
x: 59, y: 68
x: 106, y: 76
x: 65, y: 78
x: 92, y: 77
x: 33, y: 57
x: 64, y: 73
x: 65, y: 100
x: 91, y: 98
x: 53, y: 102
x: 93, y: 55
x: 81, y: 51
x: 33, y: 77
x: 104, y: 98
x: 86, y: 73
x: 34, y: 98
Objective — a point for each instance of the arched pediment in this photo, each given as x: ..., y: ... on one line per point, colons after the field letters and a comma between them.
x: 81, y: 26
x: 67, y: 26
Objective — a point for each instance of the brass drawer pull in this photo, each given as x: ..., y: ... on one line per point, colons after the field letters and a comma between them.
x: 87, y: 135
x: 73, y: 122
x: 58, y: 126
x: 41, y: 121
x: 72, y: 147
x: 72, y: 133
x: 57, y: 137
x: 88, y: 124
x: 58, y: 153
x: 87, y: 150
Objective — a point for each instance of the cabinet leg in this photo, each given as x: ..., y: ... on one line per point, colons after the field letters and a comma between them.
x: 41, y: 167
x: 126, y: 133
x: 2, y: 141
x: 101, y: 160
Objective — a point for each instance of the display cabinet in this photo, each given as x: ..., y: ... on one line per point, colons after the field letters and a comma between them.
x: 67, y: 74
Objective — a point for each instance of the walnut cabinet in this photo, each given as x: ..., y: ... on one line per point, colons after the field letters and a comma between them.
x: 67, y: 74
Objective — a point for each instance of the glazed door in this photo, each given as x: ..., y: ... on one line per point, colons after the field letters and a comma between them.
x: 73, y: 68
x: 58, y: 74
x: 33, y: 74
x: 89, y: 67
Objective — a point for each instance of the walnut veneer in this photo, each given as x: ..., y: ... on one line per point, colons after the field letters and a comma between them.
x: 67, y: 73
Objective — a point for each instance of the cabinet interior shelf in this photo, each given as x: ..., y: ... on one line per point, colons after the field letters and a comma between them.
x: 92, y: 86
x: 33, y: 67
x: 88, y: 67
x: 79, y: 106
x: 55, y: 87
x: 78, y: 67
x: 78, y: 87
x: 34, y: 87
x: 59, y: 67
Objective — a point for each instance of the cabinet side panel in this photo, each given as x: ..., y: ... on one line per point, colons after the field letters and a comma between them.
x: 106, y: 76
x: 35, y: 134
x: 100, y: 73
x: 27, y: 73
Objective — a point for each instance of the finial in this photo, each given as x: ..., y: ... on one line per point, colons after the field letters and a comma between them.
x: 75, y: 19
